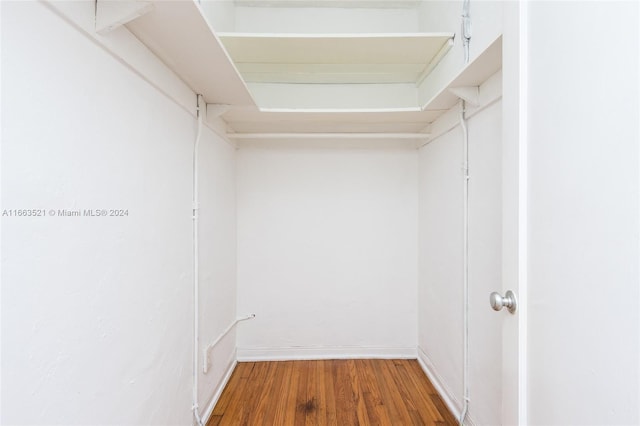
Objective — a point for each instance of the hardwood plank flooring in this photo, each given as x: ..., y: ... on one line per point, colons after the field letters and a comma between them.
x: 350, y: 392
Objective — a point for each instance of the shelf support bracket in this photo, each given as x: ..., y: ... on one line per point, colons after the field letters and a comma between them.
x: 469, y: 94
x: 111, y: 14
x: 216, y: 110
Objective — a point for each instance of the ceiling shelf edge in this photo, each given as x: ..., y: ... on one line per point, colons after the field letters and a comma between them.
x: 487, y: 63
x: 334, y: 35
x: 339, y: 110
x: 179, y: 34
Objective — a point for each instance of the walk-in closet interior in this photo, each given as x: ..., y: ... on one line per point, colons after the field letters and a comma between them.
x: 441, y: 193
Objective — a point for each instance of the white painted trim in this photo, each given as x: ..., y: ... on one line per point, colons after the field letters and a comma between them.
x: 447, y: 396
x: 1, y: 233
x: 216, y: 396
x: 342, y: 144
x: 341, y: 110
x: 334, y: 35
x: 324, y: 352
x: 312, y: 135
x: 637, y: 241
x: 523, y: 216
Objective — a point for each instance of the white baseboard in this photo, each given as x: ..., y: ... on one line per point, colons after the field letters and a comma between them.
x: 447, y: 396
x: 324, y: 352
x: 339, y: 352
x: 216, y: 396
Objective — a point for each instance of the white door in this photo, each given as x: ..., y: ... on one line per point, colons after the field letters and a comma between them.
x: 496, y: 363
x: 497, y: 226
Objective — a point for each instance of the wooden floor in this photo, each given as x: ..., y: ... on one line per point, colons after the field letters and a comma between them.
x: 332, y: 392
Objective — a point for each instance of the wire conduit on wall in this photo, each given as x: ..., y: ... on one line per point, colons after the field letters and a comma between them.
x: 465, y: 257
x: 201, y: 109
x: 466, y: 41
x: 205, y: 363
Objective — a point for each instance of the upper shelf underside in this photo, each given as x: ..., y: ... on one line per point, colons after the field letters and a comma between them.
x: 334, y: 58
x: 228, y: 68
x: 306, y: 84
x: 179, y: 34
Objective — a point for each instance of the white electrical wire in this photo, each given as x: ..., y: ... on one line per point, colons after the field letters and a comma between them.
x: 205, y: 364
x: 201, y: 108
x: 466, y: 41
x: 466, y: 29
x: 465, y: 259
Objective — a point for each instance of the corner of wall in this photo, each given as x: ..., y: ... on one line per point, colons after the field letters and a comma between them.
x: 447, y: 396
x: 206, y: 416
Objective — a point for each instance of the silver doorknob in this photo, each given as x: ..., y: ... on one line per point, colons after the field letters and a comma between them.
x: 508, y: 301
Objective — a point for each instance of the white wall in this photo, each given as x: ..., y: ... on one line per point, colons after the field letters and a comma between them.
x: 221, y: 14
x: 217, y: 260
x: 440, y: 293
x: 485, y: 264
x: 440, y: 290
x: 327, y: 252
x: 97, y: 312
x: 309, y: 20
x: 440, y: 312
x: 583, y: 213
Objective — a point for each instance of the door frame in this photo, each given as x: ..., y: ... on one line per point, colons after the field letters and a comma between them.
x: 514, y: 210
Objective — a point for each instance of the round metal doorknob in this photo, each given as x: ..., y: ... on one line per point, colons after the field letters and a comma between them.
x: 508, y: 301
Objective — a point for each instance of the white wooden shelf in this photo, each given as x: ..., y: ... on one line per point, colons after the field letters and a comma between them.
x: 387, y: 120
x: 179, y: 34
x: 335, y: 58
x: 474, y: 74
x: 322, y: 121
